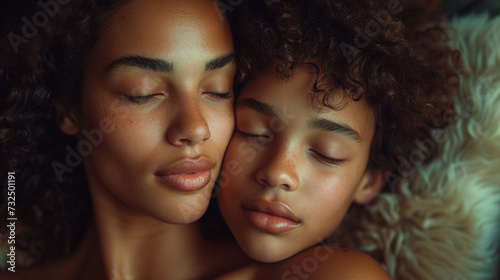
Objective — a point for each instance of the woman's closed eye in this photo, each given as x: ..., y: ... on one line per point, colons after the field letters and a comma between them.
x: 216, y: 95
x: 141, y: 99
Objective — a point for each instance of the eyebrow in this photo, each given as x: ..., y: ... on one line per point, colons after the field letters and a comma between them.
x: 341, y: 129
x: 161, y: 65
x: 154, y: 64
x: 319, y: 123
x: 219, y: 62
x: 257, y: 106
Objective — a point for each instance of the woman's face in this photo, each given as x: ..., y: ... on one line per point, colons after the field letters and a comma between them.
x: 292, y: 170
x: 158, y: 87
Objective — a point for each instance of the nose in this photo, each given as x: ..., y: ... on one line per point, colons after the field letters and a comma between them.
x: 280, y: 170
x: 188, y: 126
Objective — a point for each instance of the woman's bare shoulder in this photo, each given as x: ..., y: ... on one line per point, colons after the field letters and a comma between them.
x: 324, y: 262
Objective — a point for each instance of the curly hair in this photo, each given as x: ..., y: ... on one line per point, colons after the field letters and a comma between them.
x: 52, y: 212
x: 393, y: 54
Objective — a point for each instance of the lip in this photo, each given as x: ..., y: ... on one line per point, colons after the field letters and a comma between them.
x: 270, y: 216
x: 187, y: 174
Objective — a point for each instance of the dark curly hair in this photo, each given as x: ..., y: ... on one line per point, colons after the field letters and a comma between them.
x: 394, y: 54
x: 36, y: 77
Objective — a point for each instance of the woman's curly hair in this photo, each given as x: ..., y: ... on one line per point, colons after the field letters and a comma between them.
x: 52, y: 211
x: 393, y: 54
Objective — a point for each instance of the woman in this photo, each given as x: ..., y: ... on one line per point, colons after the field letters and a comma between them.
x: 145, y: 89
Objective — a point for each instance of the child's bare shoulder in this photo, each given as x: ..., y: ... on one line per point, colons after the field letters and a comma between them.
x: 325, y: 262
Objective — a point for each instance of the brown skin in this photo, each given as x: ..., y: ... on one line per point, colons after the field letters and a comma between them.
x: 143, y: 228
x: 143, y: 225
x: 140, y: 228
x: 284, y: 158
x: 316, y: 171
x: 315, y: 263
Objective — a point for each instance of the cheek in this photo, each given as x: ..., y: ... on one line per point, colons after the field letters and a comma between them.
x: 329, y: 199
x: 221, y: 124
x: 125, y: 143
x: 239, y: 165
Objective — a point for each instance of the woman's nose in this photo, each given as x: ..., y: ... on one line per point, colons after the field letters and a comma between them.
x: 189, y: 126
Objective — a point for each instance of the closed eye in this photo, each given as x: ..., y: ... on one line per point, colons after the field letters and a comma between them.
x: 260, y: 138
x: 225, y: 95
x: 141, y: 99
x: 326, y: 159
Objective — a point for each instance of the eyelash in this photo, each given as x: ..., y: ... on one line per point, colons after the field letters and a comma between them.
x: 146, y: 98
x: 328, y: 159
x: 252, y: 136
x: 321, y: 157
x: 140, y: 99
x: 226, y: 95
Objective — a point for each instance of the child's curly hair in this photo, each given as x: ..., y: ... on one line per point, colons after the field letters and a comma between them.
x: 393, y: 54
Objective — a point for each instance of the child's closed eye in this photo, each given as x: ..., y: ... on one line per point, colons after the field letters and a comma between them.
x: 255, y: 137
x: 325, y: 159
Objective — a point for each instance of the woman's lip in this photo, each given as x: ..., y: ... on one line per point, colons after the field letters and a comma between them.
x: 187, y: 174
x: 187, y: 166
x: 187, y: 181
x: 270, y: 216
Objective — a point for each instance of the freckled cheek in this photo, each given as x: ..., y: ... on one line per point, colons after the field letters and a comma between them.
x: 131, y: 140
x: 335, y: 193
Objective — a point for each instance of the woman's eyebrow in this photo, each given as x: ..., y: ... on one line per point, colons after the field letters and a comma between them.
x: 154, y: 64
x: 160, y: 65
x: 219, y: 62
x: 342, y: 129
x: 257, y: 106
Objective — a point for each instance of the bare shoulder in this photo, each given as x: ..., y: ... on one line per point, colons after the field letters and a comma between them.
x: 324, y: 262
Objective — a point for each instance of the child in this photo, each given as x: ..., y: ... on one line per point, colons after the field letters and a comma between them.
x: 333, y: 94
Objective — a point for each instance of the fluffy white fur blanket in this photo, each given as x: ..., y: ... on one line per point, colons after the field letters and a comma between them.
x: 443, y: 221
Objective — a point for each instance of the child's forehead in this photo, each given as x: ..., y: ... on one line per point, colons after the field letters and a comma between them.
x: 296, y: 99
x: 313, y: 88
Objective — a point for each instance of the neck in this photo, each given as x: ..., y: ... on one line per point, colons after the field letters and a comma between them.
x: 137, y: 246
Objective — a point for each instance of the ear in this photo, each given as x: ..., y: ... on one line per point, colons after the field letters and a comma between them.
x: 371, y: 184
x: 68, y: 119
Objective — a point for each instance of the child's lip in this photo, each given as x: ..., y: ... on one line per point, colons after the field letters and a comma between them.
x: 275, y: 208
x: 270, y: 216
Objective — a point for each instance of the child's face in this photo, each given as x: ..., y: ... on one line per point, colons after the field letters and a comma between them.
x: 292, y: 170
x: 159, y: 82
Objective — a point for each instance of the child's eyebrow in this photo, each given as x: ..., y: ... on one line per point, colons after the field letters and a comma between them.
x: 343, y: 129
x: 257, y: 106
x: 319, y: 123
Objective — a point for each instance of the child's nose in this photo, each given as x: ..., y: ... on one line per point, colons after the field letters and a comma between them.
x: 280, y: 170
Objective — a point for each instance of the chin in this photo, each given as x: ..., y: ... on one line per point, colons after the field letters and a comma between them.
x: 266, y: 255
x: 185, y: 212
